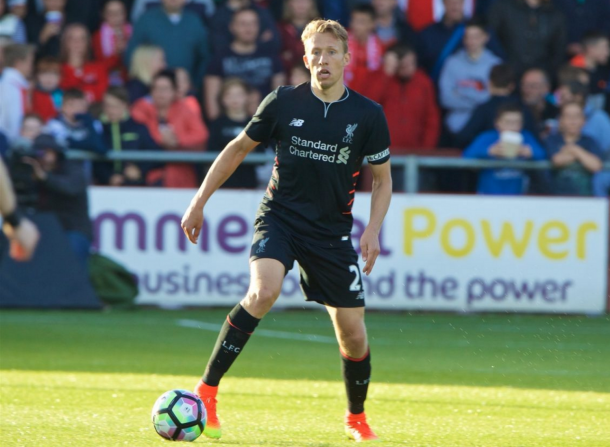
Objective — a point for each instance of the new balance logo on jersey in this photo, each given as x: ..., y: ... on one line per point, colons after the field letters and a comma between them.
x: 261, y: 245
x: 351, y: 128
x: 343, y: 155
x: 296, y: 122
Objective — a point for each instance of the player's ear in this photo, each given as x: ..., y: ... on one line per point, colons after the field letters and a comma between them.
x: 306, y: 61
x: 347, y: 57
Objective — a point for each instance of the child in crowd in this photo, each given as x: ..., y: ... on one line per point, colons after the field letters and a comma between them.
x: 571, y: 151
x: 235, y: 117
x: 594, y: 59
x: 110, y: 41
x: 507, y: 141
x: 31, y: 127
x: 47, y: 96
x: 74, y: 127
x: 121, y: 132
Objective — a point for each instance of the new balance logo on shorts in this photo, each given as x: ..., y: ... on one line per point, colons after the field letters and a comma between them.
x: 261, y: 245
x: 296, y: 122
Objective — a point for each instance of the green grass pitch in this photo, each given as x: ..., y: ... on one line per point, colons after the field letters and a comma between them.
x: 442, y: 380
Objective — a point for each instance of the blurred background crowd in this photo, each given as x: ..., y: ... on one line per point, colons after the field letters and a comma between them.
x: 484, y: 79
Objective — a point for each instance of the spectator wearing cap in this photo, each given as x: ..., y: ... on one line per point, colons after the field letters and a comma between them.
x: 246, y: 59
x: 576, y: 156
x: 507, y: 141
x: 532, y: 32
x: 79, y: 70
x: 62, y: 188
x: 14, y: 86
x: 173, y: 126
x: 268, y: 36
x: 121, y: 132
x: 110, y: 41
x: 535, y: 94
x: 464, y: 79
x: 11, y: 25
x: 501, y: 89
x: 594, y: 59
x: 365, y: 47
x: 179, y: 32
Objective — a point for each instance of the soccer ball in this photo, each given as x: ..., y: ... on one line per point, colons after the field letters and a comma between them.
x: 179, y: 415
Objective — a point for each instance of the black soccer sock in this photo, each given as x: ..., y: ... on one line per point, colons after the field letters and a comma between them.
x: 232, y: 338
x: 356, y: 374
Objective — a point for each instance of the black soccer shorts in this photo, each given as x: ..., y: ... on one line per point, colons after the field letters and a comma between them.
x: 329, y: 272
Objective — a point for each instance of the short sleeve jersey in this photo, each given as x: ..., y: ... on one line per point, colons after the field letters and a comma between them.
x: 319, y: 149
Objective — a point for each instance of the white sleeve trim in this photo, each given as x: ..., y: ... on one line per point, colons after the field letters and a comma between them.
x: 379, y: 155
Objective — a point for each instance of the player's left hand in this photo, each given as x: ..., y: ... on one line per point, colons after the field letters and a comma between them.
x: 369, y: 246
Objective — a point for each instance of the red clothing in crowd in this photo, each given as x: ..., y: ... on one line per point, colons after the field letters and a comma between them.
x: 191, y: 132
x: 421, y: 13
x: 92, y: 79
x: 292, y: 46
x: 367, y: 58
x: 42, y: 105
x: 104, y: 50
x: 410, y: 108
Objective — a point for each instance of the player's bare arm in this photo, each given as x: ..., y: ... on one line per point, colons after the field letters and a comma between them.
x: 225, y: 164
x: 380, y: 202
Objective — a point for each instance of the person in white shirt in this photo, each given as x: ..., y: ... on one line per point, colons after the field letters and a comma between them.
x: 14, y: 86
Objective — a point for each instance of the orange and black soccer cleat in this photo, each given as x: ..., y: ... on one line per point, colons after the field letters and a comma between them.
x: 208, y: 396
x: 357, y: 428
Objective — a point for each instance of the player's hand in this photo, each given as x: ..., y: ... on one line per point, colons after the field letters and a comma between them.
x: 23, y: 239
x: 192, y: 221
x: 369, y: 247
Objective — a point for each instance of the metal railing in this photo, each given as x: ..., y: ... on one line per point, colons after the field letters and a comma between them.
x: 411, y: 163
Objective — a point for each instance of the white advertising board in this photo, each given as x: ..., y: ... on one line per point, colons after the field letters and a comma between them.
x: 454, y: 253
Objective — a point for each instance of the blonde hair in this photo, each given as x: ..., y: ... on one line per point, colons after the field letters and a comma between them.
x: 313, y: 11
x: 321, y: 26
x: 140, y: 62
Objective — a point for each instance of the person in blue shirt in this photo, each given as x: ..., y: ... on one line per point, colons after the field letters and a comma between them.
x: 490, y: 145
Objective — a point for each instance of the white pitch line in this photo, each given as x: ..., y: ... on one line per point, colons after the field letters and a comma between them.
x: 262, y: 332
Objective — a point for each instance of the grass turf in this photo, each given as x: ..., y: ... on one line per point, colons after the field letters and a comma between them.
x: 90, y: 379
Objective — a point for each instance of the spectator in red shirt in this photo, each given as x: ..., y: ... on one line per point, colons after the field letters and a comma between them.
x: 408, y: 99
x: 173, y: 126
x: 78, y: 70
x: 297, y: 14
x: 47, y: 96
x: 110, y: 41
x: 366, y: 48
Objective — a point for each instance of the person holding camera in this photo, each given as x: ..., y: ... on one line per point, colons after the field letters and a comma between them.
x: 62, y: 189
x: 22, y: 234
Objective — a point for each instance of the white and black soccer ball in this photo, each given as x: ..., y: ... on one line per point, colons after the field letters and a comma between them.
x: 179, y: 415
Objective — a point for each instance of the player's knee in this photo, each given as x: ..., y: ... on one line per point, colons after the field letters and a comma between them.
x: 354, y: 341
x: 262, y: 297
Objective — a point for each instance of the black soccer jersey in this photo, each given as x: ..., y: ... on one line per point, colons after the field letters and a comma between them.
x: 319, y: 151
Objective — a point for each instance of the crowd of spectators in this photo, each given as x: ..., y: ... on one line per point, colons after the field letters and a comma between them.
x: 501, y: 79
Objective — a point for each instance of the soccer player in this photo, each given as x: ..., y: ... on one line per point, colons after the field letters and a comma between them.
x: 323, y: 132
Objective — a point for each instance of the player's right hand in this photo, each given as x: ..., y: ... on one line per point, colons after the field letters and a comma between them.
x: 192, y: 221
x: 23, y: 240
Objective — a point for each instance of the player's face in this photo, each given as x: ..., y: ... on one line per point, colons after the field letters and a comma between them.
x: 325, y: 59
